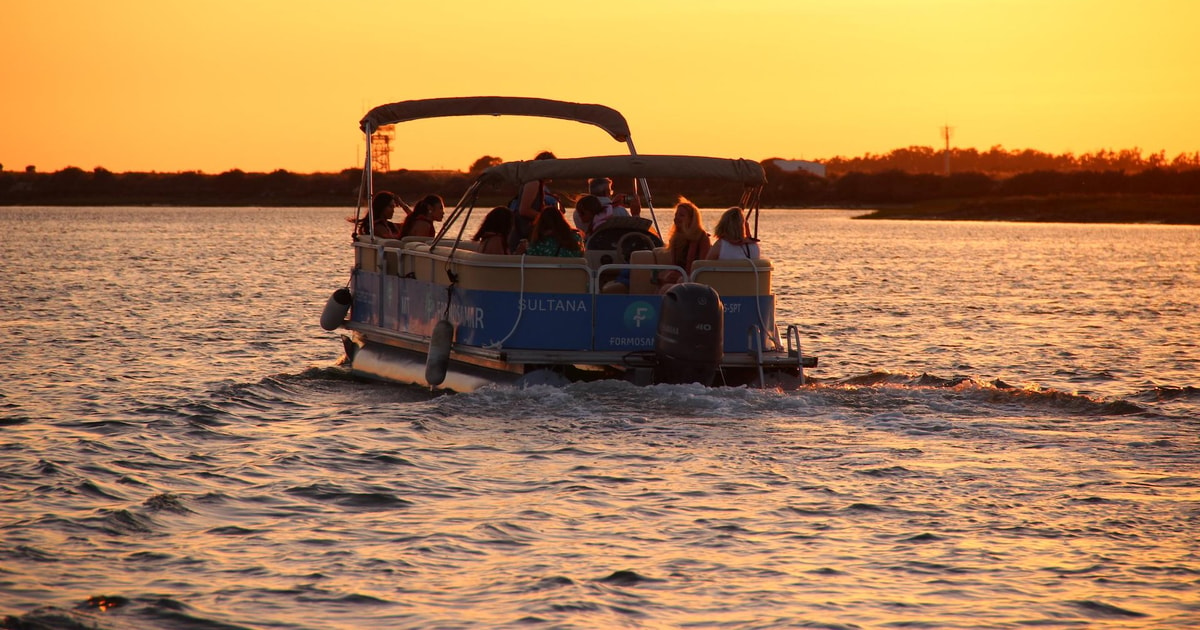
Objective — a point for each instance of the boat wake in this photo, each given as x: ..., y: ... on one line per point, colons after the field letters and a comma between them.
x: 878, y: 394
x: 104, y: 612
x: 1169, y: 393
x: 872, y: 394
x: 993, y: 392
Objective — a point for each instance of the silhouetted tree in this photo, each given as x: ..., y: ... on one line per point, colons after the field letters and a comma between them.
x: 482, y: 164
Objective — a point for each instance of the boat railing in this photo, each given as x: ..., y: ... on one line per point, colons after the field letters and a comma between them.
x: 643, y: 277
x: 416, y: 258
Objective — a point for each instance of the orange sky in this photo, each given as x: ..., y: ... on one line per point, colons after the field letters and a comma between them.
x: 163, y: 85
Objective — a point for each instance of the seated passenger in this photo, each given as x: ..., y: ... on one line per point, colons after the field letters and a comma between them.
x: 733, y: 239
x: 552, y: 236
x: 420, y: 221
x: 383, y: 208
x: 493, y: 232
x: 601, y: 189
x: 587, y: 210
x: 687, y: 244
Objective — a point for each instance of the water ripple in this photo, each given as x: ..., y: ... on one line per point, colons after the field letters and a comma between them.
x: 977, y: 448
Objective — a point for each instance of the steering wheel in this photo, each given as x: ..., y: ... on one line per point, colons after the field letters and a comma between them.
x: 632, y: 242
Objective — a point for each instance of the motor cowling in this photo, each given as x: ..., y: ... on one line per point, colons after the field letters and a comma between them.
x: 690, y: 339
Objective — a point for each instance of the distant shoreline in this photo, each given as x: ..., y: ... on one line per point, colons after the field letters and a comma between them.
x: 1102, y: 208
x: 1152, y: 209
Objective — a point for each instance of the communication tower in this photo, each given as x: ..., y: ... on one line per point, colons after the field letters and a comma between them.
x: 946, y: 129
x: 381, y: 148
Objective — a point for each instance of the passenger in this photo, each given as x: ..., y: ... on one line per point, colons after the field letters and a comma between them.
x: 687, y: 244
x: 552, y: 237
x: 492, y: 235
x: 383, y: 208
x: 420, y: 221
x: 587, y: 210
x: 528, y: 205
x: 733, y: 239
x: 621, y: 206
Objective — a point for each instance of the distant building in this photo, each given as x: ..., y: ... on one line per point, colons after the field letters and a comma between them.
x: 792, y: 166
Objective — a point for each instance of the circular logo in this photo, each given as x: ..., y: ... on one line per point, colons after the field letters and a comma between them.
x: 640, y: 315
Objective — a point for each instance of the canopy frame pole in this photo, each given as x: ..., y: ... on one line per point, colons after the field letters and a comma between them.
x: 751, y: 198
x: 640, y: 185
x: 368, y: 184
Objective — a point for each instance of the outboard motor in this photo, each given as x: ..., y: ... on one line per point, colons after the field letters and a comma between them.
x: 691, y: 333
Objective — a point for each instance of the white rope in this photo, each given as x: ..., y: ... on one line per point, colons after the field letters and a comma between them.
x: 773, y: 335
x: 520, y: 311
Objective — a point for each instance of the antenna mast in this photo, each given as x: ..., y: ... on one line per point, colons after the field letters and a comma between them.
x: 946, y: 129
x: 381, y: 148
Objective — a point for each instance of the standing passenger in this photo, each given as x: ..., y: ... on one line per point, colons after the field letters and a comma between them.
x: 529, y: 204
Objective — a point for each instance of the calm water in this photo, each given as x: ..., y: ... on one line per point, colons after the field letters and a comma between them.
x: 1004, y: 434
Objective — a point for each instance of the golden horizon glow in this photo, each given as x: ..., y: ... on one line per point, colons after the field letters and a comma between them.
x: 162, y: 86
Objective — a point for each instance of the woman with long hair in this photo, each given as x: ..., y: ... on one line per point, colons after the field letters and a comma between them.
x: 492, y: 234
x: 733, y: 240
x: 553, y: 236
x: 420, y: 221
x: 687, y: 243
x: 383, y: 208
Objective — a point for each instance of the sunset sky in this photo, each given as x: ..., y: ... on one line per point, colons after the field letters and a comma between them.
x: 259, y: 85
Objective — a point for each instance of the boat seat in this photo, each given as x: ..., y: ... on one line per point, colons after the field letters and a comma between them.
x: 367, y: 249
x: 377, y: 240
x: 428, y: 268
x: 366, y: 257
x: 644, y: 281
x: 391, y: 255
x: 411, y: 262
x: 506, y: 272
x: 445, y: 248
x: 391, y: 262
x: 734, y: 277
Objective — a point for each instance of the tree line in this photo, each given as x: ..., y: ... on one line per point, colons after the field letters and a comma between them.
x: 903, y: 176
x: 899, y: 187
x: 997, y: 161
